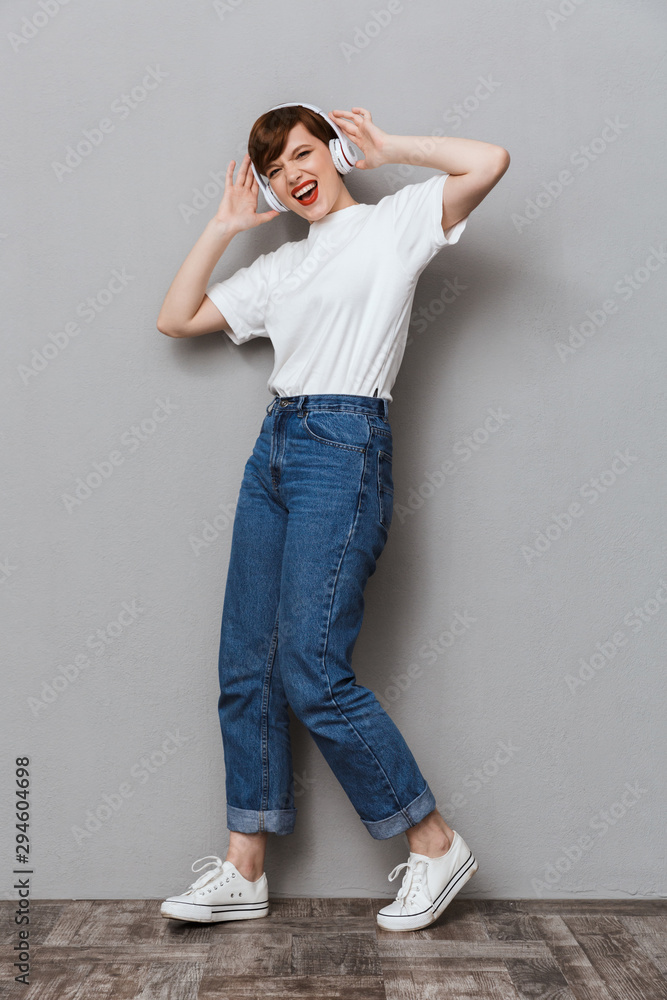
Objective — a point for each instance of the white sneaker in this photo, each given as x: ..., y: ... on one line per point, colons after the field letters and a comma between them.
x: 429, y: 885
x: 219, y: 894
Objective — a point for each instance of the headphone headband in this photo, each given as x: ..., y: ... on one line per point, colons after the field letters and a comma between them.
x: 341, y: 149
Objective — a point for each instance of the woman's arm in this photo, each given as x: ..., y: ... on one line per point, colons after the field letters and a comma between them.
x: 187, y: 311
x: 474, y: 167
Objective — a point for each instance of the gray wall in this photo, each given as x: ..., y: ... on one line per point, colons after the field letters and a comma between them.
x: 531, y: 753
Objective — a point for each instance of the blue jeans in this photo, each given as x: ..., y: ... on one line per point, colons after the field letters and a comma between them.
x: 312, y: 517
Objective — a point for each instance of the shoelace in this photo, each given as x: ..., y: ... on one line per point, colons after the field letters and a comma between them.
x: 414, y: 875
x: 207, y: 876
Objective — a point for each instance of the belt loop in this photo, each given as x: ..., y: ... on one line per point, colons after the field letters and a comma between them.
x: 302, y: 402
x: 385, y: 410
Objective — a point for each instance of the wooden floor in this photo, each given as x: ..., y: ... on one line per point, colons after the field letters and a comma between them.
x: 331, y: 948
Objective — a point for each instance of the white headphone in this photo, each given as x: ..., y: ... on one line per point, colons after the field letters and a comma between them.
x: 342, y: 154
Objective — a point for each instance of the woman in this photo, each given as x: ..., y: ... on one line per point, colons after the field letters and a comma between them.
x: 315, y: 503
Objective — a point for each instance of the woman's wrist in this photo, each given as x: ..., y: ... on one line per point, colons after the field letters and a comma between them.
x: 221, y: 229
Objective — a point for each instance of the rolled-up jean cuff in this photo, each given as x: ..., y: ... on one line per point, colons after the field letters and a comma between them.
x: 400, y: 821
x: 263, y: 821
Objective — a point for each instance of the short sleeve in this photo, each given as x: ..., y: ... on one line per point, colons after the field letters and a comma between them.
x: 418, y: 223
x: 242, y: 299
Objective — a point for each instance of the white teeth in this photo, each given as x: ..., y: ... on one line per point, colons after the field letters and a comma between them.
x: 305, y: 190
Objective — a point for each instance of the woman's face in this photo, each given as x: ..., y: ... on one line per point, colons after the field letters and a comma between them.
x: 304, y: 160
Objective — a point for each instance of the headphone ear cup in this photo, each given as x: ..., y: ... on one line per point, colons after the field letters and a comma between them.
x: 334, y: 149
x: 343, y: 159
x: 271, y: 198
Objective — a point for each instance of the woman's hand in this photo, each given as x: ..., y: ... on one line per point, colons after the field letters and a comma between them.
x: 238, y: 209
x: 358, y: 126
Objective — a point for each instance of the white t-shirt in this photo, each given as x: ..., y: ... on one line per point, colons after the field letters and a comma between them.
x: 336, y: 305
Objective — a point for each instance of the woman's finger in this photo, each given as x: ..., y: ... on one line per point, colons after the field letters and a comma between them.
x: 244, y: 170
x: 347, y: 125
x: 345, y: 116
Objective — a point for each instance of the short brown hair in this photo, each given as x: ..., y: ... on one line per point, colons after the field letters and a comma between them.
x: 269, y: 133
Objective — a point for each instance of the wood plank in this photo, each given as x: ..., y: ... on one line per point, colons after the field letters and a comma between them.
x: 471, y: 984
x: 267, y: 954
x: 43, y: 917
x: 55, y: 981
x: 141, y: 953
x: 407, y: 945
x: 580, y: 975
x: 627, y: 972
x: 164, y: 981
x: 110, y: 981
x: 578, y: 907
x: 650, y: 933
x: 120, y: 921
x: 510, y: 924
x: 295, y: 906
x: 72, y: 916
x: 539, y: 977
x: 336, y: 952
x: 291, y: 987
x: 290, y: 925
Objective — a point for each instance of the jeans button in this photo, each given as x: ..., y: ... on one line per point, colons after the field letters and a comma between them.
x: 283, y: 402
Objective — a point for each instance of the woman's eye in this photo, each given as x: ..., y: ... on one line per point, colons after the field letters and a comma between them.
x: 304, y: 152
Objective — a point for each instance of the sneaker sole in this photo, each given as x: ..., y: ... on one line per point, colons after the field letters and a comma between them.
x: 202, y: 914
x: 420, y: 920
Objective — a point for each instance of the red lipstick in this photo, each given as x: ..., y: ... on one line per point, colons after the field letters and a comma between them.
x: 310, y: 197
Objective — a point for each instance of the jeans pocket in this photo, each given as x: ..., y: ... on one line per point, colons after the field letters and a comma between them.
x: 379, y: 425
x: 385, y: 484
x: 340, y: 428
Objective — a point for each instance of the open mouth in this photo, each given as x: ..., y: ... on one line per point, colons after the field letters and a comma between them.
x: 308, y: 194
